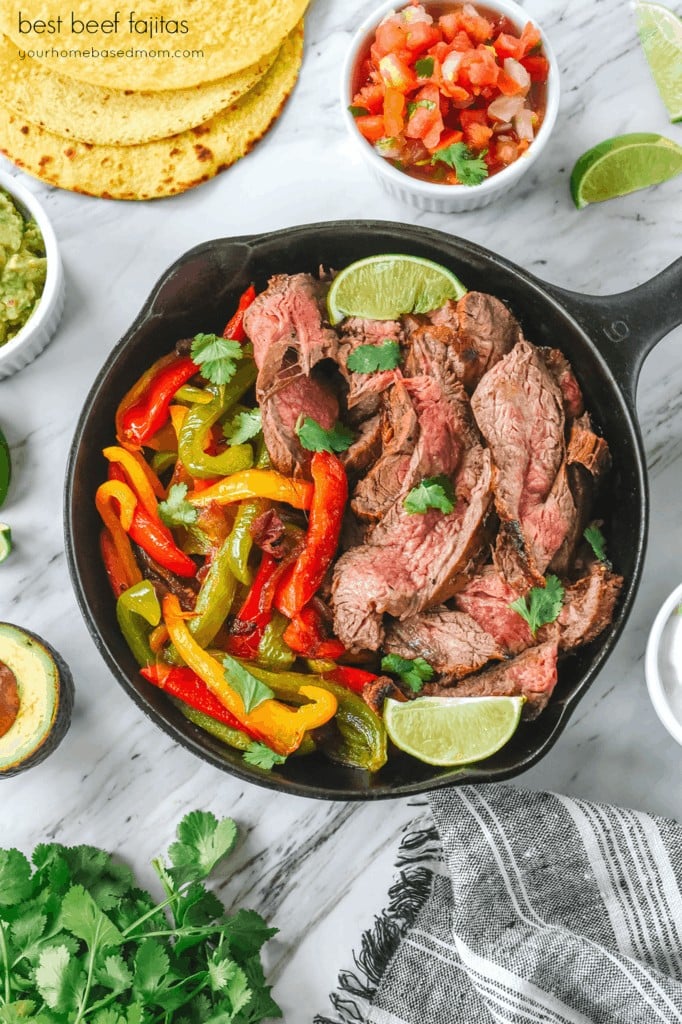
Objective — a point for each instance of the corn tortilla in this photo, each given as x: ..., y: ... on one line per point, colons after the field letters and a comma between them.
x: 165, y: 166
x: 231, y: 36
x: 92, y: 113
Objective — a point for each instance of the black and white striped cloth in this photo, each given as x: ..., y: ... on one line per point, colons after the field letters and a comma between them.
x: 514, y: 907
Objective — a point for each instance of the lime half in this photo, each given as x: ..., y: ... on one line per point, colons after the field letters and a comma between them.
x: 624, y: 164
x: 449, y: 731
x: 5, y: 467
x: 386, y: 287
x: 5, y: 541
x: 660, y: 33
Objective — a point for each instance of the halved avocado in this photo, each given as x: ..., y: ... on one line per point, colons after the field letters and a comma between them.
x: 36, y: 699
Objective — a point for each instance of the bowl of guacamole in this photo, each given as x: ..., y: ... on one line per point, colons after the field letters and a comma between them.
x: 31, y: 278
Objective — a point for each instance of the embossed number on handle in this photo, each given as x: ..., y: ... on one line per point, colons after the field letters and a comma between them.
x: 616, y: 331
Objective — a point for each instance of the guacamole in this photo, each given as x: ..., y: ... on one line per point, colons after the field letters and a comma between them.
x: 22, y: 268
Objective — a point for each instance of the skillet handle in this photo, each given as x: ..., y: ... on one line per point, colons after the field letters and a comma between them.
x: 625, y: 327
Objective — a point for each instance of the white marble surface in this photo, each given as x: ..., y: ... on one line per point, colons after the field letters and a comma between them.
x: 320, y: 870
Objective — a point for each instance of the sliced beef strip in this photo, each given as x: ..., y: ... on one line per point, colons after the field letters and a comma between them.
x: 486, y: 598
x: 533, y: 675
x: 560, y: 368
x: 485, y: 332
x: 412, y: 562
x: 166, y: 582
x: 364, y: 389
x: 519, y: 409
x: 290, y: 314
x: 451, y: 641
x: 375, y: 494
x: 366, y: 449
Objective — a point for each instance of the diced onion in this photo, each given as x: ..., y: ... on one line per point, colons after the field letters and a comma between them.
x: 451, y: 65
x: 470, y: 11
x: 390, y: 148
x: 503, y: 108
x: 518, y: 73
x: 413, y: 15
x: 523, y: 124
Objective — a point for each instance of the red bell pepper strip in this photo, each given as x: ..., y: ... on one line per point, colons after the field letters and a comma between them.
x: 256, y: 612
x: 330, y: 493
x: 187, y: 686
x: 144, y: 417
x: 152, y: 537
x: 235, y: 325
x: 114, y: 567
x: 305, y: 634
x: 354, y: 679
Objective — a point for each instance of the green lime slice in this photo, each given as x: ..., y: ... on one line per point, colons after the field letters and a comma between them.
x: 624, y: 164
x: 660, y: 33
x: 5, y: 541
x: 5, y: 468
x: 449, y: 731
x: 385, y: 287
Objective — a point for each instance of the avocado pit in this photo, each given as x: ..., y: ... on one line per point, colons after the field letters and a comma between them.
x: 9, y: 698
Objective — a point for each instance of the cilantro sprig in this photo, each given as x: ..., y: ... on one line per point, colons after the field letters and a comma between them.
x: 370, y: 358
x: 250, y: 689
x: 82, y: 943
x: 217, y: 357
x: 243, y: 426
x: 541, y: 604
x: 413, y: 672
x: 424, y: 67
x: 597, y: 541
x: 315, y: 438
x: 470, y: 169
x: 176, y: 510
x: 432, y: 492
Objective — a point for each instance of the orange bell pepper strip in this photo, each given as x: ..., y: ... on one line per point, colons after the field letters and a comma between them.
x: 115, y: 569
x: 281, y: 727
x: 139, y: 480
x: 115, y: 522
x: 256, y: 483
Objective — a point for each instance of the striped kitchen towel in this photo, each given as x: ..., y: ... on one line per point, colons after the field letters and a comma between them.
x: 512, y: 907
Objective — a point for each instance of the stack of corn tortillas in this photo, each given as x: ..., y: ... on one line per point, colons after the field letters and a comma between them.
x: 130, y: 125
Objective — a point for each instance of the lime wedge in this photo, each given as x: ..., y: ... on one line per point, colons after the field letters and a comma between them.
x: 449, y: 731
x: 5, y: 541
x: 624, y: 164
x: 660, y: 33
x: 5, y: 467
x: 385, y: 287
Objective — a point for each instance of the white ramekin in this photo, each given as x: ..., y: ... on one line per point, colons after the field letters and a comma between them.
x: 431, y: 196
x: 41, y: 325
x: 661, y: 671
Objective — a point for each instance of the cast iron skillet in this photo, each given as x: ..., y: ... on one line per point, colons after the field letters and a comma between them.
x: 606, y: 340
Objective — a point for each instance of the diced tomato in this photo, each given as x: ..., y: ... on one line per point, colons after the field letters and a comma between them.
x: 394, y: 110
x: 449, y: 137
x: 420, y: 36
x: 537, y: 68
x: 425, y: 121
x: 469, y: 117
x: 477, y: 135
x: 371, y: 126
x: 396, y: 74
x: 371, y: 97
x: 439, y: 51
x: 390, y: 37
x: 508, y: 86
x: 507, y: 46
x: 478, y: 68
x: 457, y: 93
x: 477, y: 27
x: 530, y: 38
x: 462, y: 43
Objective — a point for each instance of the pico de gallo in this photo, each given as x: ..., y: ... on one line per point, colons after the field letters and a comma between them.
x: 450, y: 94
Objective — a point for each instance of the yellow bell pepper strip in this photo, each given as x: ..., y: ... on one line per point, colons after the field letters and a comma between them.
x: 193, y: 395
x: 256, y: 483
x: 115, y: 522
x: 194, y: 436
x: 279, y: 726
x: 177, y: 415
x: 138, y: 611
x: 215, y: 597
x: 137, y: 477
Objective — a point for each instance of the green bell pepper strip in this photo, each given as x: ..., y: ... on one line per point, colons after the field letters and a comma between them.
x: 215, y: 597
x: 188, y: 393
x: 241, y: 541
x: 360, y: 741
x: 161, y: 461
x: 198, y: 422
x: 272, y: 650
x: 138, y: 611
x: 5, y: 467
x: 232, y: 737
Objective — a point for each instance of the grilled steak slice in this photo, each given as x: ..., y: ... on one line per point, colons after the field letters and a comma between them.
x: 560, y: 368
x: 289, y: 395
x: 366, y: 449
x: 375, y: 494
x: 364, y: 389
x: 452, y: 642
x: 486, y: 599
x: 289, y: 314
x: 412, y: 562
x: 532, y: 675
x: 518, y: 408
x: 588, y: 608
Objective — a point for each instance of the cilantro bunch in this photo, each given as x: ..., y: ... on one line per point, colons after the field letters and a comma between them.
x: 81, y: 942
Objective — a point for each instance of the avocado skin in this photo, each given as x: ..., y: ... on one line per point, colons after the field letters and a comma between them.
x: 62, y: 720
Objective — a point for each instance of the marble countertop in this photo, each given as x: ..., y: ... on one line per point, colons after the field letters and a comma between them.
x: 320, y: 870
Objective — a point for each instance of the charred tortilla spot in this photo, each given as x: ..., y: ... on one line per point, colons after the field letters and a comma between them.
x: 24, y: 129
x: 203, y: 153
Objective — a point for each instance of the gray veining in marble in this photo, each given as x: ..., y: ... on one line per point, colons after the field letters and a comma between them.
x: 320, y: 871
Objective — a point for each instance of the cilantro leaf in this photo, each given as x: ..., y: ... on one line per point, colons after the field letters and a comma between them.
x: 250, y: 689
x: 414, y: 672
x: 314, y: 438
x: 151, y: 969
x: 424, y: 67
x: 246, y: 931
x: 94, y: 869
x: 243, y: 426
x: 202, y: 842
x: 597, y: 541
x: 370, y: 358
x: 82, y: 917
x: 217, y: 357
x: 176, y: 510
x: 358, y: 111
x: 261, y: 756
x: 15, y: 878
x: 18, y: 1012
x: 470, y: 169
x: 114, y: 974
x: 432, y: 492
x: 541, y: 604
x: 59, y: 979
x: 425, y: 104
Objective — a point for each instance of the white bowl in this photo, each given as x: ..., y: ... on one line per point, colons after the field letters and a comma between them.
x: 663, y: 664
x: 41, y: 325
x: 429, y: 195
